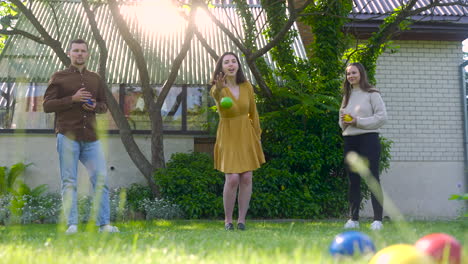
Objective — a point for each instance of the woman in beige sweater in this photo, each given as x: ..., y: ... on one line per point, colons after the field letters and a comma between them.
x: 362, y: 113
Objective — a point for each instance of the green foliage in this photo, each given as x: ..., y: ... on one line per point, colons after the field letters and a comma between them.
x: 283, y: 52
x: 248, y: 23
x: 308, y: 152
x: 85, y: 204
x: 3, y: 39
x: 250, y: 36
x: 35, y: 206
x: 460, y: 197
x: 9, y: 177
x: 8, y: 14
x: 329, y: 41
x: 139, y: 201
x: 27, y: 209
x: 301, y: 138
x: 278, y: 193
x: 161, y: 209
x: 303, y: 179
x: 42, y: 209
x: 20, y: 197
x: 284, y: 188
x: 385, y: 155
x: 136, y: 193
x: 190, y: 181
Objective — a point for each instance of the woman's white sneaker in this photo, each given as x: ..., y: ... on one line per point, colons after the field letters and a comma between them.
x: 351, y: 224
x: 376, y: 225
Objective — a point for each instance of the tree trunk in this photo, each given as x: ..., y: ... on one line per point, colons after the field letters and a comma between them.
x: 133, y: 150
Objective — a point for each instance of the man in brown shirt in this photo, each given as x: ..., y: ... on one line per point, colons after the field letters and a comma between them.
x: 75, y: 95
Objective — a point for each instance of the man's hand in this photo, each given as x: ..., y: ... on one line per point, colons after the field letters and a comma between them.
x: 81, y: 96
x: 89, y: 107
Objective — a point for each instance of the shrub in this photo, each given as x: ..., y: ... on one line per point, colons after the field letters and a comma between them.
x: 41, y: 209
x: 5, y: 202
x: 160, y: 209
x: 136, y: 194
x: 385, y: 155
x: 84, y: 208
x: 34, y: 209
x: 118, y: 210
x: 190, y: 181
x: 126, y: 204
x: 304, y: 175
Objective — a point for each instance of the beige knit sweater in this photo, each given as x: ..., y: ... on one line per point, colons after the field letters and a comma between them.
x: 369, y: 111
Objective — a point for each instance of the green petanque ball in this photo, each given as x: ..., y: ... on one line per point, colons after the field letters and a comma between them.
x: 226, y: 102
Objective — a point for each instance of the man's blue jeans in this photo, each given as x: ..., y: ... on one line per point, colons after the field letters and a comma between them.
x: 92, y: 157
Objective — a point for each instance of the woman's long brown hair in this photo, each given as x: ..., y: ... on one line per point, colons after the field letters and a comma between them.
x: 363, y: 83
x: 240, y: 77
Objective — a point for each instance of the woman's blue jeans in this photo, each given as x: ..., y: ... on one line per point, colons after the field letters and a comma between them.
x: 91, y: 156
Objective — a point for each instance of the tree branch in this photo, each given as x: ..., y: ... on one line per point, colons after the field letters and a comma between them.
x: 205, y: 45
x: 48, y: 40
x: 55, y: 19
x: 436, y: 3
x: 226, y: 31
x: 293, y: 14
x: 22, y: 33
x: 202, y: 40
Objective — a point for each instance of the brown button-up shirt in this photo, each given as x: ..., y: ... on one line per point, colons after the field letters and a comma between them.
x: 71, y: 119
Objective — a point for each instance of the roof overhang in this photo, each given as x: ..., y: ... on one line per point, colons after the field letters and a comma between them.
x: 424, y: 28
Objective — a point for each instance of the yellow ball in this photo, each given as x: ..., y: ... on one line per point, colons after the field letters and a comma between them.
x: 347, y: 118
x: 401, y: 254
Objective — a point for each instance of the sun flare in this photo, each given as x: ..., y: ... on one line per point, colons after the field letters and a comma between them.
x: 156, y: 16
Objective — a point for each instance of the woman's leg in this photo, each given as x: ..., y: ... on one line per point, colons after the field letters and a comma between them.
x: 351, y: 143
x: 245, y: 192
x: 229, y: 195
x: 371, y: 150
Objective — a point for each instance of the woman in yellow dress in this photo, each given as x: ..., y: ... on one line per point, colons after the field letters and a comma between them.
x: 238, y: 150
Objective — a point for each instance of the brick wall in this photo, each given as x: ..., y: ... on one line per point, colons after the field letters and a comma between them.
x: 420, y: 85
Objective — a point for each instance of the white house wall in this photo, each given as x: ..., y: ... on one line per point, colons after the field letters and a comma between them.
x: 420, y: 85
x: 40, y: 150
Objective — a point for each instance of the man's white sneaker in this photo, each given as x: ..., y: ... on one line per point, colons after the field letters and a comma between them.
x: 351, y: 224
x: 108, y: 229
x: 72, y: 229
x: 376, y: 225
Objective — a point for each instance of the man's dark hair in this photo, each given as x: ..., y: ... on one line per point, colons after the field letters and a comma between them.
x: 77, y: 41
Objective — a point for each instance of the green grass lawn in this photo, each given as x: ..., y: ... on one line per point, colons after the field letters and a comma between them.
x: 204, y: 242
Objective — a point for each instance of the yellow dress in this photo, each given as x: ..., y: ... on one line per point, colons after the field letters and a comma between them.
x: 238, y: 148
